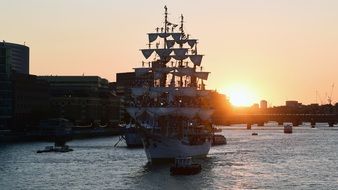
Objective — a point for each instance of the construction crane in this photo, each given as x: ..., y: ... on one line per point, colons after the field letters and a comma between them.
x: 329, y: 98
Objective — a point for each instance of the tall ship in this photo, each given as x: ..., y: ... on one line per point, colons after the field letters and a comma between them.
x: 172, y: 110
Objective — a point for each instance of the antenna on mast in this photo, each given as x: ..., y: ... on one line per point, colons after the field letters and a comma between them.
x: 165, y: 24
x: 182, y: 21
x: 165, y: 18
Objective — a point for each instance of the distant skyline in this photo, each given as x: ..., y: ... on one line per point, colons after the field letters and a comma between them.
x: 274, y: 50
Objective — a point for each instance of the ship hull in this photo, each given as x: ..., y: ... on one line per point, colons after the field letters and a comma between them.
x: 133, y: 140
x: 160, y: 148
x: 132, y: 137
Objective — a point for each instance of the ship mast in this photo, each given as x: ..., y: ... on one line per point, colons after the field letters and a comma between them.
x: 180, y: 74
x: 181, y: 45
x: 165, y: 24
x: 162, y: 60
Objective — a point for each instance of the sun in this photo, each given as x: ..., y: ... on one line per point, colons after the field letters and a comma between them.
x: 240, y: 95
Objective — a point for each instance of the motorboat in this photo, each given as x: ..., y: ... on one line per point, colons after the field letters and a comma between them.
x: 184, y: 166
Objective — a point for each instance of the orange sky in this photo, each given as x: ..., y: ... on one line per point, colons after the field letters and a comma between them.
x: 277, y: 50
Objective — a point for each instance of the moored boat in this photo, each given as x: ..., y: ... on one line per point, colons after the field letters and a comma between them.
x: 218, y: 139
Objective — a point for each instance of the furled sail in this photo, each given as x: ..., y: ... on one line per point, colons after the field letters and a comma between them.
x: 152, y: 37
x: 191, y: 42
x: 202, y: 75
x: 180, y: 51
x: 163, y: 52
x: 180, y: 57
x: 163, y: 35
x: 176, y: 36
x: 147, y: 52
x: 170, y: 43
x: 196, y: 59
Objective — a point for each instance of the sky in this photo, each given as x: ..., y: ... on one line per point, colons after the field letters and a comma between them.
x: 275, y: 50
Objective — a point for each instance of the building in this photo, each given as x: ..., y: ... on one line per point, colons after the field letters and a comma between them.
x: 82, y: 99
x: 255, y: 106
x: 14, y: 58
x: 292, y: 104
x: 18, y: 57
x: 30, y: 101
x: 5, y: 88
x: 263, y: 104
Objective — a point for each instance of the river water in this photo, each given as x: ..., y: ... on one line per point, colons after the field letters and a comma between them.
x: 306, y: 159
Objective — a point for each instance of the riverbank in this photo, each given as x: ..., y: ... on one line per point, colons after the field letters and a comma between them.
x: 31, y: 136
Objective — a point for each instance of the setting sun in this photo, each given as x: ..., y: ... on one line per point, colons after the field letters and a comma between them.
x: 240, y: 95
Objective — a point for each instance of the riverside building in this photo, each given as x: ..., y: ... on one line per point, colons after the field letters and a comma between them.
x: 82, y: 99
x: 14, y: 58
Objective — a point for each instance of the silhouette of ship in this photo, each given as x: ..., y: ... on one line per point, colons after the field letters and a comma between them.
x: 172, y: 112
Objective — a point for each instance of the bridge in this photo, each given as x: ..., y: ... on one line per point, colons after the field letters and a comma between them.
x: 260, y: 119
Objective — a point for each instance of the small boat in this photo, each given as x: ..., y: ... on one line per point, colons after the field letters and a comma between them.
x: 216, y: 130
x: 254, y: 134
x: 55, y: 149
x: 183, y: 166
x: 218, y: 140
x: 47, y: 149
x: 287, y: 128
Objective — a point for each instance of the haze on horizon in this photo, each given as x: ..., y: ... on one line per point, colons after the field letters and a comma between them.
x: 273, y: 50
